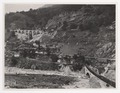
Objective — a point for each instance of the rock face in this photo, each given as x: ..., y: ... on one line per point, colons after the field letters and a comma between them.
x: 73, y: 32
x: 111, y: 75
x: 100, y: 44
x: 94, y: 82
x: 107, y: 50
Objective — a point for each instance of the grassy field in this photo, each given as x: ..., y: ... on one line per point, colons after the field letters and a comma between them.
x: 37, y: 81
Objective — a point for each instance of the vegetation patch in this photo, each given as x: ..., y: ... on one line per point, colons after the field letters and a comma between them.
x: 37, y: 81
x: 35, y: 64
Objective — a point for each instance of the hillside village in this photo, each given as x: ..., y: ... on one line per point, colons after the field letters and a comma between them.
x: 65, y: 43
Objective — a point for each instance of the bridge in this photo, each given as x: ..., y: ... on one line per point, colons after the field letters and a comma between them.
x: 27, y: 32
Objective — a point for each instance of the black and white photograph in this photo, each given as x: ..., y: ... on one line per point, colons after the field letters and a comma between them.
x: 60, y: 46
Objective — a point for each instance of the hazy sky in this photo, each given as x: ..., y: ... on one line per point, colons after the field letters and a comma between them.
x: 21, y: 7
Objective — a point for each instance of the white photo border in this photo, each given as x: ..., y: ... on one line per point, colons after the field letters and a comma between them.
x: 2, y: 9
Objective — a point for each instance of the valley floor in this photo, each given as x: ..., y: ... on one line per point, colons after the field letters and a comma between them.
x: 27, y: 78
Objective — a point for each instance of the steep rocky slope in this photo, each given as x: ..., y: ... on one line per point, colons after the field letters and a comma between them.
x: 94, y: 41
